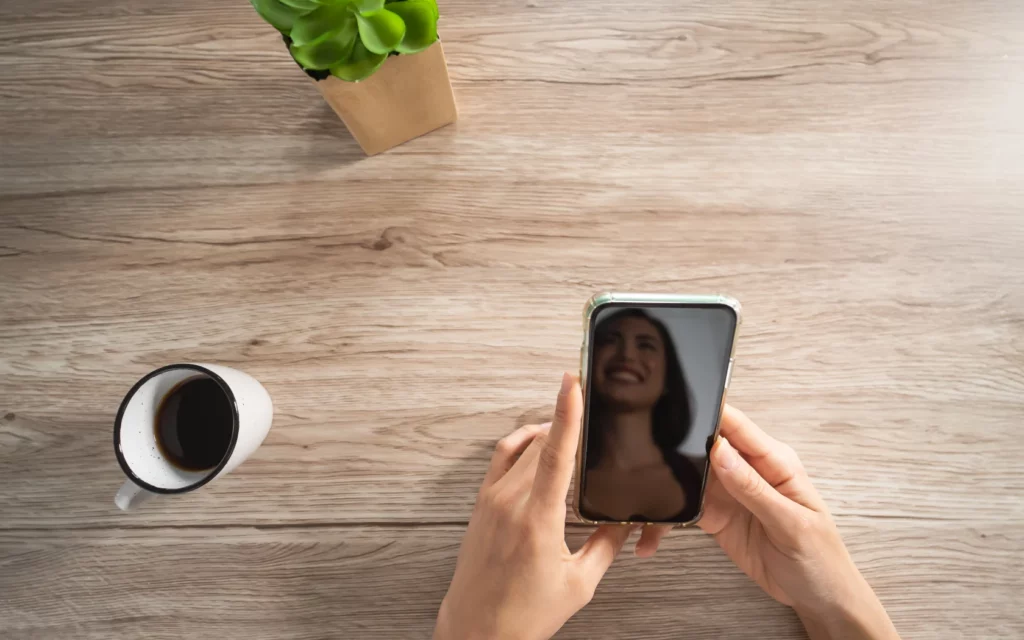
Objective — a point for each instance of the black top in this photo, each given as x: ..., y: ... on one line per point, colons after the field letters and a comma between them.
x: 689, y: 478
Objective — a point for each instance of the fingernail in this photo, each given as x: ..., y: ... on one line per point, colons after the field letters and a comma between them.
x: 727, y: 456
x: 545, y: 426
x: 566, y: 384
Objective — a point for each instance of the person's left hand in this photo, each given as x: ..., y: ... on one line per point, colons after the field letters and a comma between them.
x: 515, y: 577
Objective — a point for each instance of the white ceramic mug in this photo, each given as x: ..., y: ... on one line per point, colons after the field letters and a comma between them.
x: 135, y: 437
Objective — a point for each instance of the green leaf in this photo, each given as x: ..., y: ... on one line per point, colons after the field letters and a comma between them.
x: 328, y: 50
x: 380, y: 31
x: 313, y: 26
x: 305, y: 6
x: 420, y: 25
x: 360, y: 66
x: 277, y: 13
x: 367, y: 6
x: 359, y: 6
x: 433, y: 6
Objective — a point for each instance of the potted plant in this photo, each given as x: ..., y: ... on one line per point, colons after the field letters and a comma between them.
x: 378, y: 63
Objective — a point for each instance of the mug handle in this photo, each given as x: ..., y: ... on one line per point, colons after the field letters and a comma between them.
x: 131, y: 495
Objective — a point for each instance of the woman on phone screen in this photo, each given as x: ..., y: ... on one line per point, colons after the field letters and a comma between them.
x: 640, y: 415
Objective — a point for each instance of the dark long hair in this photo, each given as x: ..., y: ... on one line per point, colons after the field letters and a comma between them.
x: 672, y: 413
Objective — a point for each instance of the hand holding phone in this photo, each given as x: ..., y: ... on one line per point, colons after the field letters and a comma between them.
x: 765, y: 513
x: 515, y: 576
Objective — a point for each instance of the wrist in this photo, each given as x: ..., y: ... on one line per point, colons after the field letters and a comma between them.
x: 857, y: 615
x: 442, y: 627
x: 449, y: 627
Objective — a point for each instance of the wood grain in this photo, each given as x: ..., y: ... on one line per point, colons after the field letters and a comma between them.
x: 383, y: 582
x: 172, y: 188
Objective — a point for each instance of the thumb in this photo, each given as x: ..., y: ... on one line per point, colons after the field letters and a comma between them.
x: 746, y: 485
x: 558, y: 457
x: 599, y: 551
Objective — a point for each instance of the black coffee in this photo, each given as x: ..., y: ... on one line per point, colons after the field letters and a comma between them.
x: 193, y: 424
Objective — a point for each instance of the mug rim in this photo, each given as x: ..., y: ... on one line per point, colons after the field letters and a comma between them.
x: 131, y: 394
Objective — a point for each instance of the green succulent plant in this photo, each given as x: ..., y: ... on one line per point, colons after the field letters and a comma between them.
x: 350, y: 39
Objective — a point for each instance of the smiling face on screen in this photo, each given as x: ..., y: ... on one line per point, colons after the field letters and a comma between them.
x: 629, y: 363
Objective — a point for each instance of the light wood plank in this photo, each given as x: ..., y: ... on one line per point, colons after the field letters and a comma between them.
x: 901, y: 355
x: 352, y: 401
x: 674, y: 70
x: 387, y: 583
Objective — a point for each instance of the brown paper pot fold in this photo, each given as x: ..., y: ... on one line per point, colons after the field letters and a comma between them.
x: 409, y: 95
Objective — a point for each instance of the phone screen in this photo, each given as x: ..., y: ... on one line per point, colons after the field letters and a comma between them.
x: 656, y: 375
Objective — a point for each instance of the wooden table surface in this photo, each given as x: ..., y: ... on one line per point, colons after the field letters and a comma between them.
x: 172, y: 188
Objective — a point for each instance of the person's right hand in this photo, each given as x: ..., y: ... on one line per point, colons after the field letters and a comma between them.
x: 769, y: 519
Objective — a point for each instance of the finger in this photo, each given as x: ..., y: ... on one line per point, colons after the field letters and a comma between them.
x: 775, y: 511
x: 776, y: 462
x: 557, y: 458
x: 760, y: 449
x: 525, y: 468
x: 719, y: 506
x: 599, y: 551
x: 649, y: 540
x: 509, y: 449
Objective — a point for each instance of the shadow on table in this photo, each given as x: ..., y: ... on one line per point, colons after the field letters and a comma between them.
x: 459, y: 482
x: 323, y: 140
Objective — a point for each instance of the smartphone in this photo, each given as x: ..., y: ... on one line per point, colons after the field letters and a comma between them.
x: 654, y: 369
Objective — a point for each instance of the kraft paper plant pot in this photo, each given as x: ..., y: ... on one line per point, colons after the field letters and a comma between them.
x: 409, y: 95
